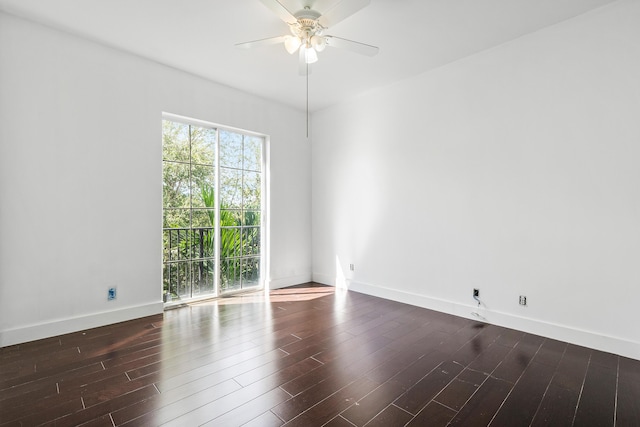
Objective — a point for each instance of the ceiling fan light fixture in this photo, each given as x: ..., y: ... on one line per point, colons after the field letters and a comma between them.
x: 292, y: 43
x: 318, y: 43
x: 310, y: 54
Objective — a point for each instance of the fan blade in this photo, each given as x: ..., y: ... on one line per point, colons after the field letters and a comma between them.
x: 357, y: 47
x: 341, y: 11
x: 261, y: 42
x: 282, y: 12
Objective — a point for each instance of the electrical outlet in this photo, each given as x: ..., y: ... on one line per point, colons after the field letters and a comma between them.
x: 476, y: 293
x: 523, y: 300
x: 111, y: 294
x: 352, y: 267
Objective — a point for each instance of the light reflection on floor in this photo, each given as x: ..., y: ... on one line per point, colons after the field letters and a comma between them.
x: 276, y: 295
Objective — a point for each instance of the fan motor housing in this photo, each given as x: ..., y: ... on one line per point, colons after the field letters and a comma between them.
x: 307, y: 14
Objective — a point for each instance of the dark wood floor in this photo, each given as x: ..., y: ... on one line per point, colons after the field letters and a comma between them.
x: 311, y: 357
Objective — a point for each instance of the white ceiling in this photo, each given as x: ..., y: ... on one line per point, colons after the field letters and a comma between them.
x: 198, y: 36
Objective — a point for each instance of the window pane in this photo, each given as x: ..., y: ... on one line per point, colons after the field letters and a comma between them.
x: 176, y: 243
x: 176, y: 218
x: 230, y: 149
x: 230, y: 217
x: 178, y: 279
x: 184, y: 244
x: 202, y: 186
x: 230, y: 189
x: 175, y: 185
x: 203, y: 146
x: 201, y: 244
x: 167, y: 248
x: 251, y: 272
x: 230, y: 272
x: 252, y: 153
x: 251, y: 191
x: 203, y: 218
x: 230, y: 242
x: 251, y: 218
x: 202, y: 273
x: 251, y: 241
x: 175, y: 141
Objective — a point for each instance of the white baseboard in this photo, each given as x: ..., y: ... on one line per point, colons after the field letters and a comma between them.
x: 74, y: 324
x: 288, y: 281
x: 323, y: 279
x: 610, y: 344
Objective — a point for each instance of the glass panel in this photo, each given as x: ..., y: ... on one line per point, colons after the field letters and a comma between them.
x: 230, y: 217
x: 230, y: 272
x: 185, y: 244
x: 251, y: 241
x: 198, y: 243
x: 203, y: 273
x: 177, y: 279
x: 202, y: 243
x: 175, y: 244
x: 253, y: 153
x: 252, y: 218
x: 230, y: 189
x: 175, y: 218
x: 230, y: 149
x: 166, y: 280
x: 203, y: 142
x: 175, y: 141
x: 170, y: 245
x: 208, y: 243
x: 230, y: 242
x: 250, y: 272
x: 175, y: 185
x: 202, y: 186
x: 203, y: 218
x: 251, y: 190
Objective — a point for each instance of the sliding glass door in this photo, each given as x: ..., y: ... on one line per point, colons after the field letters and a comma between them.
x: 212, y: 210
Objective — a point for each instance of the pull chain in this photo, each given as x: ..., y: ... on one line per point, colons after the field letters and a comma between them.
x: 307, y: 101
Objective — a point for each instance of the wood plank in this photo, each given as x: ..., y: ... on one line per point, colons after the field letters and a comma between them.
x: 523, y: 401
x: 598, y: 399
x: 169, y: 405
x: 328, y: 408
x: 341, y: 377
x: 433, y: 415
x: 572, y: 368
x: 488, y: 360
x: 373, y: 403
x: 628, y: 404
x: 557, y: 408
x: 515, y: 363
x: 482, y: 406
x: 338, y: 422
x: 267, y: 419
x: 418, y: 396
x: 244, y: 413
x: 456, y: 393
x: 392, y: 416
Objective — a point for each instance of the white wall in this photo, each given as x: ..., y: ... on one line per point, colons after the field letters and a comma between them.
x: 514, y: 171
x: 81, y: 179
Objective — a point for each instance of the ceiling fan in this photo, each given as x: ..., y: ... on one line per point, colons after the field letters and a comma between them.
x: 308, y: 26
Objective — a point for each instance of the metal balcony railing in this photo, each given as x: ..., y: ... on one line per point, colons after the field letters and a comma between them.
x: 189, y: 260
